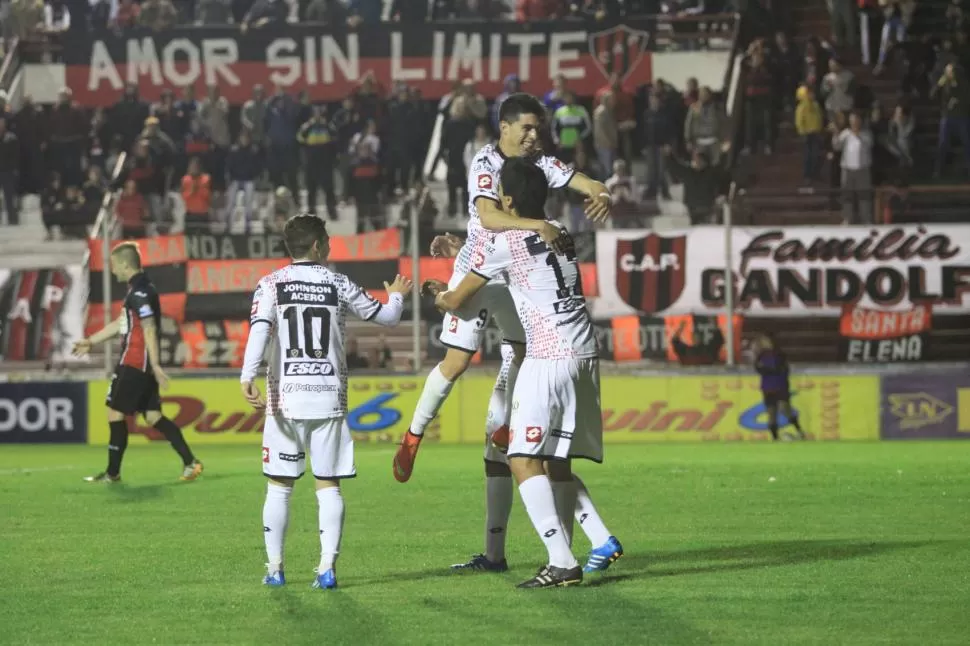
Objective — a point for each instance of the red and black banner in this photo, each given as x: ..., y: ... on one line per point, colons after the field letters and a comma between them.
x: 31, y: 307
x: 331, y: 63
x: 873, y: 336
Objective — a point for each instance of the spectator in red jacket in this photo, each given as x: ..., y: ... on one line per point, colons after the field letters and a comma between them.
x: 538, y: 9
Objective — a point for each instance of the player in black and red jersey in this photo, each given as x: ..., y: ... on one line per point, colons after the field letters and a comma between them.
x: 139, y: 375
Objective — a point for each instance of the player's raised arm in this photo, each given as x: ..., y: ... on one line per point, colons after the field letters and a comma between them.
x: 495, y: 219
x: 598, y: 202
x: 486, y: 265
x: 366, y: 307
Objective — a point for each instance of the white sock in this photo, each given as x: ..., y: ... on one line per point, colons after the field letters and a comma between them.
x: 540, y: 504
x: 331, y: 525
x: 589, y: 519
x: 276, y: 516
x: 498, y: 507
x: 565, y: 494
x: 436, y: 389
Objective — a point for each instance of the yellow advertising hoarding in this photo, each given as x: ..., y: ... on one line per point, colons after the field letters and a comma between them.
x: 635, y: 409
x: 213, y: 411
x: 715, y: 408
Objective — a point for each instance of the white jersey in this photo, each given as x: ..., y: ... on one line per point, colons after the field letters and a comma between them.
x: 305, y: 305
x: 483, y: 181
x: 548, y: 293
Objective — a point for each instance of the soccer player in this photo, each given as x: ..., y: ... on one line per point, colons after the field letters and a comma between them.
x: 772, y: 364
x: 299, y: 312
x: 139, y: 375
x: 520, y: 118
x: 556, y: 412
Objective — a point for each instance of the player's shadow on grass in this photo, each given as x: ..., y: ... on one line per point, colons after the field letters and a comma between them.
x: 757, y: 555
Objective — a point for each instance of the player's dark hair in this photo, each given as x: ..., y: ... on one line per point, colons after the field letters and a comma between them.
x: 526, y: 184
x: 515, y: 105
x: 128, y: 251
x: 301, y: 231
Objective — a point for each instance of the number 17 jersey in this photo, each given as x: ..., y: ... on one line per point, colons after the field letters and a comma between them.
x: 548, y: 292
x: 306, y: 304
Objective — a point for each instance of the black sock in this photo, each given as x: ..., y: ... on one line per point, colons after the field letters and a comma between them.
x: 798, y: 427
x: 117, y: 443
x: 173, y: 434
x: 774, y: 431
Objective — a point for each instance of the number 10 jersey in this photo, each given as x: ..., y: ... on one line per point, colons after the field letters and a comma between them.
x: 306, y: 304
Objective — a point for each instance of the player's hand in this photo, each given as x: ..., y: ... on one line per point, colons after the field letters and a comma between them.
x: 598, y: 208
x: 401, y: 285
x: 555, y: 237
x: 160, y: 377
x: 255, y: 398
x: 431, y: 288
x: 446, y: 246
x: 81, y: 348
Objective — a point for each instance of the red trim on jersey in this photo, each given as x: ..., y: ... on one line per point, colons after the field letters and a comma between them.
x: 136, y: 352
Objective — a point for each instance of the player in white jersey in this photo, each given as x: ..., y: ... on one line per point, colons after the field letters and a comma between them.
x: 520, y: 118
x: 556, y: 412
x: 299, y: 313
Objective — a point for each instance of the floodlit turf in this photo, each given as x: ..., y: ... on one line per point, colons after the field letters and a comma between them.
x: 850, y: 544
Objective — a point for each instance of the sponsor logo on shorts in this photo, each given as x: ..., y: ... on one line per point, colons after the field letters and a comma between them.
x: 292, y: 457
x: 266, y: 454
x: 308, y: 368
x: 563, y: 434
x: 309, y: 388
x: 533, y: 434
x: 485, y: 181
x: 453, y: 324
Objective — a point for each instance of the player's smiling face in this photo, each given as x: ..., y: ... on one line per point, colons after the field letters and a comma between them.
x: 524, y: 134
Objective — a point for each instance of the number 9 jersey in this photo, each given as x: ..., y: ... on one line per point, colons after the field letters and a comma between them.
x: 548, y: 292
x: 304, y: 308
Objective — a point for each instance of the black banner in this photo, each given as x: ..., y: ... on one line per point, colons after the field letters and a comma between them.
x: 330, y: 63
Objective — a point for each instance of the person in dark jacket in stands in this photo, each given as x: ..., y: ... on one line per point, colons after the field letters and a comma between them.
x: 347, y: 122
x: 9, y: 171
x: 759, y: 104
x: 30, y: 124
x: 366, y: 181
x: 955, y: 120
x: 401, y: 119
x: 244, y: 165
x: 149, y: 178
x: 703, y: 184
x: 93, y: 191
x: 263, y: 13
x: 318, y: 138
x: 68, y: 131
x: 52, y: 204
x: 459, y: 129
x: 128, y: 116
x: 282, y: 154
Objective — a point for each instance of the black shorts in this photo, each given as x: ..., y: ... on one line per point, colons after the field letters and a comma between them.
x: 133, y: 391
x: 775, y: 398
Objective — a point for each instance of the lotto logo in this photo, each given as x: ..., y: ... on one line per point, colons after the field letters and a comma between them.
x: 485, y: 181
x: 453, y: 324
x: 558, y: 164
x: 533, y: 434
x: 478, y: 260
x: 266, y: 454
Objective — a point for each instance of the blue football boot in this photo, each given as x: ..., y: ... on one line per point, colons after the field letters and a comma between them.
x: 325, y: 581
x: 602, y: 557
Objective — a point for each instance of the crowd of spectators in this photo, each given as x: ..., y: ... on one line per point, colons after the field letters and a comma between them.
x: 36, y: 18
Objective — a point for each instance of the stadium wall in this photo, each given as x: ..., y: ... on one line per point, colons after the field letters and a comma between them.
x: 912, y: 404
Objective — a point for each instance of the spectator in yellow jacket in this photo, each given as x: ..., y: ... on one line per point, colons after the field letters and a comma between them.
x: 809, y: 122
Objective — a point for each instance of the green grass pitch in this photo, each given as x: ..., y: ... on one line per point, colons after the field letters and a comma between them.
x: 850, y: 544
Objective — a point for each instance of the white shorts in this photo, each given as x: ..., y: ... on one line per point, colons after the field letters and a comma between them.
x: 465, y: 330
x: 286, y: 443
x: 556, y: 410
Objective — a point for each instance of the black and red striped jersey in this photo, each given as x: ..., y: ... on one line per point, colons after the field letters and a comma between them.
x: 141, y: 302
